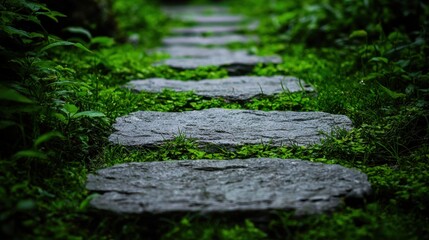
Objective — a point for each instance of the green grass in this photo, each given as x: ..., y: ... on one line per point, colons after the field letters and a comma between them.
x: 58, y: 104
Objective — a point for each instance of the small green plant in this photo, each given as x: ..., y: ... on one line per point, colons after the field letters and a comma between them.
x: 187, y: 229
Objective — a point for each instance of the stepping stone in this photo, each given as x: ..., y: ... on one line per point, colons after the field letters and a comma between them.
x: 234, y: 64
x: 232, y: 88
x: 213, y: 19
x: 227, y: 128
x: 200, y: 30
x: 239, y: 188
x: 210, y: 40
x: 189, y: 51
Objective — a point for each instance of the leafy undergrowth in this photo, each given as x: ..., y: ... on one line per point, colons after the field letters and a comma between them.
x: 59, y: 98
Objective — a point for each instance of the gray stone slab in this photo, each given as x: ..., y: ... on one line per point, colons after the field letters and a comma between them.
x: 200, y: 52
x: 233, y: 64
x: 226, y: 128
x: 252, y: 187
x: 209, y: 40
x: 199, y: 30
x: 221, y: 19
x: 218, y: 30
x: 232, y: 88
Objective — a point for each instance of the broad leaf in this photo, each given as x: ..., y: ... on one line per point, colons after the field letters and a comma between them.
x: 358, y: 34
x: 79, y: 30
x: 30, y: 154
x: 12, y: 95
x: 64, y: 43
x: 70, y: 108
x: 46, y: 137
x: 60, y: 117
x: 35, y: 34
x: 379, y: 59
x: 103, y: 41
x: 79, y: 45
x: 90, y: 114
x: 14, y: 31
x: 57, y: 44
x: 392, y: 94
x: 52, y: 15
x: 403, y: 63
x: 85, y: 203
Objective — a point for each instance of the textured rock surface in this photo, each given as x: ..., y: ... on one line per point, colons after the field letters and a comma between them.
x: 235, y: 88
x: 234, y: 64
x: 201, y: 52
x: 211, y: 40
x: 225, y: 127
x: 252, y: 186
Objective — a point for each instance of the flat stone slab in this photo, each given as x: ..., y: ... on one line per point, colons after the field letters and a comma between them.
x: 200, y: 52
x: 210, y: 40
x: 235, y: 64
x: 252, y: 187
x: 198, y: 30
x: 201, y: 30
x: 221, y: 19
x: 227, y: 128
x: 232, y: 88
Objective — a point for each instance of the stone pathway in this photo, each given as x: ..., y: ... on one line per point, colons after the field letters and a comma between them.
x: 186, y: 48
x: 210, y: 40
x: 218, y: 30
x: 228, y: 128
x: 214, y: 19
x: 251, y: 187
x: 231, y: 88
x: 199, y: 52
x: 180, y: 11
x: 233, y: 64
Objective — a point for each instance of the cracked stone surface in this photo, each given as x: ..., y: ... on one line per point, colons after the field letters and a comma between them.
x: 200, y: 52
x: 255, y: 187
x: 227, y: 128
x: 234, y: 64
x: 210, y: 40
x: 232, y: 88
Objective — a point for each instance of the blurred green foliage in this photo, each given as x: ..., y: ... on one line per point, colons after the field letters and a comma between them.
x: 328, y: 22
